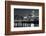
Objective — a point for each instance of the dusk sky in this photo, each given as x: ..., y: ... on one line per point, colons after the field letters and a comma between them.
x: 25, y: 11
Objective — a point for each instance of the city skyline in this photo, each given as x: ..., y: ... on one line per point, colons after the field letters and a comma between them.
x: 26, y: 17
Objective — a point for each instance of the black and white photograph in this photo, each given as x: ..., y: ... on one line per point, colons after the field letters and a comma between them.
x: 26, y: 17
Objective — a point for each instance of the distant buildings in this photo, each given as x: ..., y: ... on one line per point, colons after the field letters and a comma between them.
x: 25, y: 20
x: 29, y: 20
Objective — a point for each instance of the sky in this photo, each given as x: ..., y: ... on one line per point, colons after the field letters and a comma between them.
x: 25, y: 11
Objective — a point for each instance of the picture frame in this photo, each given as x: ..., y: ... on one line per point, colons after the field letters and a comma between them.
x: 13, y: 7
